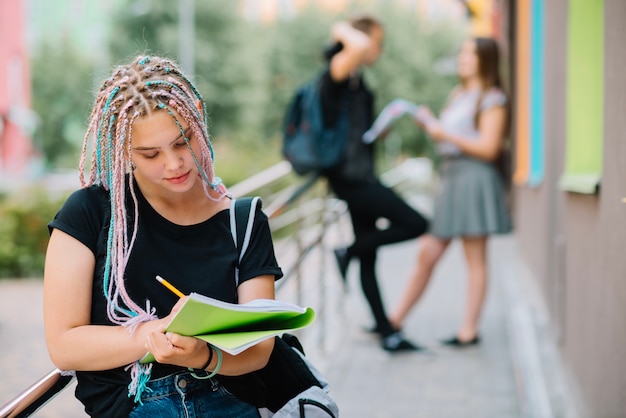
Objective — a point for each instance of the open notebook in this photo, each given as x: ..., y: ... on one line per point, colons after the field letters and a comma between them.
x: 393, y: 111
x: 236, y: 327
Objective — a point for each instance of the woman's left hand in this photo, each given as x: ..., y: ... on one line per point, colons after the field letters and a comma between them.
x: 171, y: 348
x: 176, y: 349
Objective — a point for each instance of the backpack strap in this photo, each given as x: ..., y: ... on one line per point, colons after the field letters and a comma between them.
x: 242, y: 213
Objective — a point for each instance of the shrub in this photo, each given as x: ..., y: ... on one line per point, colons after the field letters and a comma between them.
x: 24, y: 232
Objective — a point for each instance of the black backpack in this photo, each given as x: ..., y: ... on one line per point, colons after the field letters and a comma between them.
x: 289, y: 385
x: 307, y: 144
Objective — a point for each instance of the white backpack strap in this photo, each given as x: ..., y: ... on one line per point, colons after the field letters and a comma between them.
x: 233, y: 223
x: 240, y: 213
x: 251, y: 215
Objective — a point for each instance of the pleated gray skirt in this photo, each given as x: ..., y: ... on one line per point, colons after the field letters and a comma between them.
x: 471, y: 201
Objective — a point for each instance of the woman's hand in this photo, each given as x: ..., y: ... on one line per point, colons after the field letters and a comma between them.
x: 176, y: 349
x: 179, y: 350
x: 356, y: 45
x: 426, y: 120
x: 487, y: 146
x: 338, y: 29
x: 171, y: 348
x: 435, y: 130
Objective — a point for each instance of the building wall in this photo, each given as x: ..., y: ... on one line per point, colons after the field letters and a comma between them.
x: 575, y: 244
x: 15, y: 118
x: 539, y: 210
x: 608, y: 381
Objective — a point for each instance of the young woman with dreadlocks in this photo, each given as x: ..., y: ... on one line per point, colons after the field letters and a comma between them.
x: 150, y: 204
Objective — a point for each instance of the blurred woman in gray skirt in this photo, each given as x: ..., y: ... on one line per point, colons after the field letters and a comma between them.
x: 471, y: 204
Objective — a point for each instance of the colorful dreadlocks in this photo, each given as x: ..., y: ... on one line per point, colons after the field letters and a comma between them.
x: 146, y: 85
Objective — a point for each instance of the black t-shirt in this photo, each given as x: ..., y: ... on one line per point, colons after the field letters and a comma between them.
x: 196, y: 258
x: 352, y: 96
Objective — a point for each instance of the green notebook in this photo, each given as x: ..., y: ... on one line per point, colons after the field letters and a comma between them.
x: 235, y: 327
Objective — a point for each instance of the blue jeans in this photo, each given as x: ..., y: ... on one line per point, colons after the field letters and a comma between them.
x: 182, y: 395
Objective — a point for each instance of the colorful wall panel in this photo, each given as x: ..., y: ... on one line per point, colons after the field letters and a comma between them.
x: 530, y: 146
x: 537, y: 109
x: 522, y: 99
x: 585, y: 96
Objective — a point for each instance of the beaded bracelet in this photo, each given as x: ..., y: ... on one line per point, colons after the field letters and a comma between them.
x: 210, y: 347
x: 219, y: 362
x: 217, y: 366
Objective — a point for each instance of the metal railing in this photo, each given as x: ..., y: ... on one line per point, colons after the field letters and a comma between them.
x: 306, y: 210
x: 37, y: 395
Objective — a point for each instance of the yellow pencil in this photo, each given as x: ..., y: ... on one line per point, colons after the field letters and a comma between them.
x: 170, y: 287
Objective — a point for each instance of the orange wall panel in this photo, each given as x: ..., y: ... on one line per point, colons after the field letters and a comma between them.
x: 522, y: 151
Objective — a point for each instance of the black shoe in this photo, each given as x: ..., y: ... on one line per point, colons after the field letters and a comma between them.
x: 376, y: 330
x: 343, y: 261
x: 397, y: 343
x: 455, y: 342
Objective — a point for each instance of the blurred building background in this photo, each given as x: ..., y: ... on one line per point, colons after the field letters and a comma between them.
x: 569, y: 190
x: 563, y: 61
x: 16, y: 119
x: 568, y: 193
x: 271, y: 10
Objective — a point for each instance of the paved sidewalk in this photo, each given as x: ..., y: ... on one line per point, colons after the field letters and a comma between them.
x: 475, y: 382
x: 23, y: 355
x: 366, y: 381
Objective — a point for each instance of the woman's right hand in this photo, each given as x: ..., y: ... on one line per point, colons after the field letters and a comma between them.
x: 424, y: 117
x: 426, y: 120
x: 159, y: 325
x: 171, y: 348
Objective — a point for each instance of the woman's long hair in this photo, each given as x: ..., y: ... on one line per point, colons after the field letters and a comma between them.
x: 488, y: 62
x: 488, y: 54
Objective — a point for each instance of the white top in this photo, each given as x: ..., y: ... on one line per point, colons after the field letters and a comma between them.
x: 458, y: 117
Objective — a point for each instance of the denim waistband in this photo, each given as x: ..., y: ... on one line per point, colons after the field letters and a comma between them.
x: 181, y: 383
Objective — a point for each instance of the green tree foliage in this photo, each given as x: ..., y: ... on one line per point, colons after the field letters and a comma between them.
x: 246, y: 71
x: 24, y: 233
x: 294, y: 55
x: 413, y: 50
x: 408, y: 68
x: 221, y: 49
x: 229, y: 71
x: 62, y: 94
